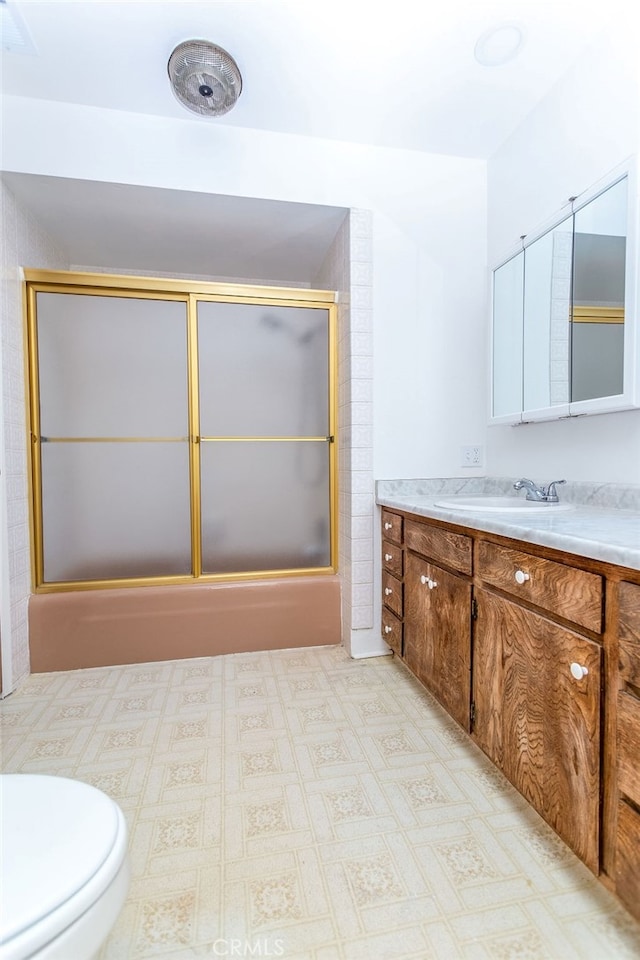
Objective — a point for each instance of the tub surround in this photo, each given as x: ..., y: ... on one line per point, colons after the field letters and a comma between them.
x: 605, y: 524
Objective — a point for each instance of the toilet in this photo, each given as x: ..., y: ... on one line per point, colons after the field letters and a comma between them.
x: 64, y: 870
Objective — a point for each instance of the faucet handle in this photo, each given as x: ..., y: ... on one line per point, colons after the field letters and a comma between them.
x: 551, y: 493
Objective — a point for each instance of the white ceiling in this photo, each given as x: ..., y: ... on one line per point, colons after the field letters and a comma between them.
x: 398, y: 74
x: 395, y: 74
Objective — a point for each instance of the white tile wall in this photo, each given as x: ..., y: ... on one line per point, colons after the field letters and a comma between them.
x: 348, y: 268
x: 24, y: 244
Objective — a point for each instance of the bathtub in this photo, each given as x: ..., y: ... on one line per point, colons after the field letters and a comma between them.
x: 97, y: 628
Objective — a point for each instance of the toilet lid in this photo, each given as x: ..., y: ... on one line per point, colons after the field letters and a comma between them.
x: 56, y: 835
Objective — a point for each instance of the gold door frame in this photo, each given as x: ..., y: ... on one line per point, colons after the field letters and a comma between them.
x: 189, y: 292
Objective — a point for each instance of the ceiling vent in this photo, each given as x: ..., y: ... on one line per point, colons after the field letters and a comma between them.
x: 14, y: 36
x: 204, y: 78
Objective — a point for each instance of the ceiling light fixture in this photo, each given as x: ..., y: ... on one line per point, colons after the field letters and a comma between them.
x: 499, y: 45
x: 204, y: 77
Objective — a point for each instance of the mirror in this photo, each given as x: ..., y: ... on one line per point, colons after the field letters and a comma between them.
x: 597, y: 320
x: 508, y: 290
x: 547, y: 304
x: 562, y: 312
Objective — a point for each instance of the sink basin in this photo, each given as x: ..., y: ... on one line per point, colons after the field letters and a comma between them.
x: 500, y: 504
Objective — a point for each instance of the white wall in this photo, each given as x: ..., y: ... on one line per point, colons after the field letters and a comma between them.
x: 586, y: 126
x: 429, y: 245
x: 24, y: 243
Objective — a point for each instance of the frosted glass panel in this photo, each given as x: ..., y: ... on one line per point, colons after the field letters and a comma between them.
x: 112, y: 366
x: 265, y: 506
x: 115, y: 510
x: 263, y: 370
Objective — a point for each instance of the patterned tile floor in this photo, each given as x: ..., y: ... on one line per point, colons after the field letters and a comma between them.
x: 303, y: 805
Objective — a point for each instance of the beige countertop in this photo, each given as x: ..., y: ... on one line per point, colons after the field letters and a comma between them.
x: 598, y: 528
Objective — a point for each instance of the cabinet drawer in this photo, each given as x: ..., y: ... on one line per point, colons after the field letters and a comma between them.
x: 629, y: 747
x: 392, y: 631
x: 628, y: 857
x: 630, y: 633
x: 392, y: 593
x: 392, y: 558
x: 451, y: 549
x: 391, y: 527
x: 573, y: 594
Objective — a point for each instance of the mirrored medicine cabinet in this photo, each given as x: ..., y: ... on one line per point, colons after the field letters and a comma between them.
x: 565, y: 340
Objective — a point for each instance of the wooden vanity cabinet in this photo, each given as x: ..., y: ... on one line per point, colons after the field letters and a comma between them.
x: 520, y: 644
x: 627, y: 853
x: 438, y: 616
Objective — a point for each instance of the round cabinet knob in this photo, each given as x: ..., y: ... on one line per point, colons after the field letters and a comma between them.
x: 578, y: 671
x: 424, y: 579
x: 388, y: 591
x: 432, y: 584
x: 388, y: 629
x: 387, y: 525
x: 388, y: 556
x: 521, y: 576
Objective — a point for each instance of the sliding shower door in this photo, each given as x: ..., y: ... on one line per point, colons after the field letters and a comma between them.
x: 179, y: 435
x: 265, y: 437
x: 113, y: 437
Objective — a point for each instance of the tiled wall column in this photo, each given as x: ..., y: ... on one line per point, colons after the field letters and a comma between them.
x: 348, y: 269
x: 24, y: 244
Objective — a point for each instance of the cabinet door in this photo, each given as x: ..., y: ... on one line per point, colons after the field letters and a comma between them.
x: 438, y: 634
x: 538, y: 723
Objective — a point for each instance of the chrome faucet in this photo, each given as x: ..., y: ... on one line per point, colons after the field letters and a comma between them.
x: 547, y: 494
